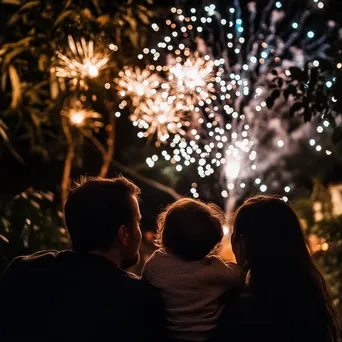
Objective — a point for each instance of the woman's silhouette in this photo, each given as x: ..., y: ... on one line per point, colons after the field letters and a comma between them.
x: 286, y: 297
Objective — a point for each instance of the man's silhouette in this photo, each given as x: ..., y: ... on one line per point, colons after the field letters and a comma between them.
x: 85, y: 294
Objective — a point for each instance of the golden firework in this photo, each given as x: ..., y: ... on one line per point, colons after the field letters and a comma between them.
x: 137, y: 83
x: 80, y: 62
x: 82, y: 117
x: 160, y: 118
x: 194, y: 79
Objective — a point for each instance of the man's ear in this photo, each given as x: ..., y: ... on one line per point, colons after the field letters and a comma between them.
x: 123, y: 235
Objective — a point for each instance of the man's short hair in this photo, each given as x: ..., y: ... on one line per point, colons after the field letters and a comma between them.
x: 190, y: 228
x: 95, y: 210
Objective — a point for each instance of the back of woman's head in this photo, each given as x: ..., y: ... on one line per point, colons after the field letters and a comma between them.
x: 190, y: 228
x: 271, y: 232
x: 283, y: 275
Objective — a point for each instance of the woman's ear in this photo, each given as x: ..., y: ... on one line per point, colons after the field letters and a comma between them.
x: 123, y: 235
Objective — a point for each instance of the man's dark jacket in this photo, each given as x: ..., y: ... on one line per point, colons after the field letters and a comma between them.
x: 64, y: 296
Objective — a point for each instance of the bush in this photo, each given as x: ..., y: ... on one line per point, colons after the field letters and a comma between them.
x: 330, y: 259
x: 30, y: 222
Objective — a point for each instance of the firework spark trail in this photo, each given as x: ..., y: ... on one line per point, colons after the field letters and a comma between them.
x: 254, y: 129
x: 229, y: 126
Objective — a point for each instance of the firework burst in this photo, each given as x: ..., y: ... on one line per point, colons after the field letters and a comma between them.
x: 160, y: 118
x: 227, y: 98
x: 137, y: 84
x: 80, y: 62
x: 82, y: 117
x: 193, y: 80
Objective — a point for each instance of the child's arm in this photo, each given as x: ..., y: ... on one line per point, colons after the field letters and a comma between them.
x: 233, y: 274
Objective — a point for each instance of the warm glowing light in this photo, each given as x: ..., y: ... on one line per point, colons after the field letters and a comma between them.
x: 137, y: 83
x: 80, y: 62
x: 93, y: 71
x: 82, y: 117
x: 194, y: 78
x: 226, y: 230
x: 325, y: 246
x: 77, y: 117
x: 159, y: 118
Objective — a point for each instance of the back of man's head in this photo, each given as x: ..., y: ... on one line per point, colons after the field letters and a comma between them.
x: 95, y: 210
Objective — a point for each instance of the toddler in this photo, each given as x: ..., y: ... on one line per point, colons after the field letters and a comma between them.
x: 192, y: 280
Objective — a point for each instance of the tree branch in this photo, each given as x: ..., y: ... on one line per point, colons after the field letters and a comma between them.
x: 7, y: 143
x: 68, y: 162
x: 147, y: 180
x: 108, y: 156
x: 96, y: 142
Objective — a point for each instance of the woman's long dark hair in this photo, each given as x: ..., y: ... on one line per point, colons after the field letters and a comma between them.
x: 284, y: 280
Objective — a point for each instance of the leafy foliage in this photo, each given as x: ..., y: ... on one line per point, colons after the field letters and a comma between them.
x: 32, y: 96
x: 32, y: 100
x: 310, y: 93
x: 323, y: 229
x: 29, y: 222
x: 330, y: 260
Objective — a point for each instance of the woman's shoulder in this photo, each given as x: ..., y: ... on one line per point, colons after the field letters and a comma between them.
x: 240, y: 303
x: 245, y: 319
x: 233, y: 323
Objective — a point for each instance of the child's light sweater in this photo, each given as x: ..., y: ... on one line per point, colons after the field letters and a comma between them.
x: 192, y: 292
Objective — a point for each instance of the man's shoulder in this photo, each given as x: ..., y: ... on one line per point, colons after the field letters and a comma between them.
x: 44, y: 256
x: 43, y: 259
x: 137, y: 282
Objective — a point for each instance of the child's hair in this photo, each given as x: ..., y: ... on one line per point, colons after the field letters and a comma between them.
x: 190, y: 228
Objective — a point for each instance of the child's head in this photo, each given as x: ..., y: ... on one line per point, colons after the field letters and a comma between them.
x: 190, y: 228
